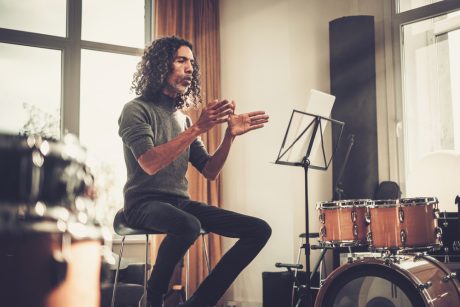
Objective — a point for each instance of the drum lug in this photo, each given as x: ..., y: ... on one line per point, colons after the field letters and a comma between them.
x: 367, y: 215
x: 355, y: 230
x: 354, y: 216
x: 418, y: 256
x: 401, y: 215
x: 388, y: 261
x: 436, y: 213
x: 403, y: 237
x: 323, y: 231
x: 456, y: 246
x: 424, y: 286
x: 450, y: 276
x: 438, y: 232
x: 369, y: 237
x: 322, y: 218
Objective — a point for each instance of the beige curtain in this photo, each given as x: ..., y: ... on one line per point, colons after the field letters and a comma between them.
x: 198, y: 22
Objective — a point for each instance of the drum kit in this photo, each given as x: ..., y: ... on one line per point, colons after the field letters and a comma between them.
x: 51, y: 245
x: 397, y: 270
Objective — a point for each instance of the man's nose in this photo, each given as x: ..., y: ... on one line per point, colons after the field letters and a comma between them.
x: 189, y: 67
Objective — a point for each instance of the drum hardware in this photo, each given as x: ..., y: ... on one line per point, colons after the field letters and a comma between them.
x: 422, y: 287
x: 456, y: 246
x: 403, y: 237
x: 369, y: 237
x: 339, y: 184
x: 355, y: 231
x: 322, y: 218
x: 388, y: 261
x: 353, y: 216
x: 367, y: 215
x: 448, y: 230
x: 299, y: 288
x: 401, y: 215
x: 450, y: 276
x: 436, y: 213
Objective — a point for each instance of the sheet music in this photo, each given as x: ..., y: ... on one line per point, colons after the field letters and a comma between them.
x: 319, y: 103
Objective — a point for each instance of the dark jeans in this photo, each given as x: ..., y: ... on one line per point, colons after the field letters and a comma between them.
x: 182, y: 219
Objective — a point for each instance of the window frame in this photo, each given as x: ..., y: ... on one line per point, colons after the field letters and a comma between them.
x: 399, y: 20
x: 71, y: 46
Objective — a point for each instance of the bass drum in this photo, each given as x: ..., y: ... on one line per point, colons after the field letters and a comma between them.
x: 404, y: 281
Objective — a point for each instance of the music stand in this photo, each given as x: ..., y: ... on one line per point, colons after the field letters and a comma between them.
x: 297, y: 149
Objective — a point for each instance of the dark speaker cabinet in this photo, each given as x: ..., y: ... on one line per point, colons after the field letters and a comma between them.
x: 352, y: 69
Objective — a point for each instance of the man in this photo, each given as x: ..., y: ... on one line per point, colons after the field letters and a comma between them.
x: 159, y: 141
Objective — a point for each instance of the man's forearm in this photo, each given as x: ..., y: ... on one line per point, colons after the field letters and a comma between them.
x: 217, y: 160
x: 160, y: 156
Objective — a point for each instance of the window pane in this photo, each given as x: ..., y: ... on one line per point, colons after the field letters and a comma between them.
x: 117, y: 22
x: 431, y: 88
x: 105, y: 88
x: 406, y: 5
x: 30, y: 84
x: 38, y: 16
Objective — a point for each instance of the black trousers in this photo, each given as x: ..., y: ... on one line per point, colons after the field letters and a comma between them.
x: 181, y: 219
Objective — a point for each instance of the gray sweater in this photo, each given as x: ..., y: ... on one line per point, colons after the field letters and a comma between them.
x: 144, y: 124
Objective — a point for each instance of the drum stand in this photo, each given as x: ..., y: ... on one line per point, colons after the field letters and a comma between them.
x: 304, y: 142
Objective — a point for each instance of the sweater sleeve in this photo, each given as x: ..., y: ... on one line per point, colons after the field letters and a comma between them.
x: 199, y: 156
x: 135, y: 130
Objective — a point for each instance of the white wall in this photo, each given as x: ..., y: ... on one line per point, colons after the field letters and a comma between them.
x: 273, y: 52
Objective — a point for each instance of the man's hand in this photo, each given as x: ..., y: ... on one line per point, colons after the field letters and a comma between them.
x: 241, y: 123
x: 214, y: 113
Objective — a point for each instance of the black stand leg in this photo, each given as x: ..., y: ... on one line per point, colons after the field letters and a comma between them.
x: 307, y: 239
x: 304, y: 292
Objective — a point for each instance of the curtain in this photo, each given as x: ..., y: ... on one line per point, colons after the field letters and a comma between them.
x: 198, y: 22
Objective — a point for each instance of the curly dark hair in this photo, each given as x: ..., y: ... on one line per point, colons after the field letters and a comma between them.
x: 154, y: 68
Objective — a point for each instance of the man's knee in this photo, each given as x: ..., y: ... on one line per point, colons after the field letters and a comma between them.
x: 189, y: 227
x: 263, y: 230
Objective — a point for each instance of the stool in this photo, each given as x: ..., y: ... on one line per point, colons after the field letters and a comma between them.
x: 122, y: 228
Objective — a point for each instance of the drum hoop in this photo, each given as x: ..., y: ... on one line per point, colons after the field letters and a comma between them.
x: 384, y: 203
x: 348, y: 203
x: 418, y: 201
x: 320, y: 206
x: 360, y: 272
x: 342, y: 243
x: 67, y: 149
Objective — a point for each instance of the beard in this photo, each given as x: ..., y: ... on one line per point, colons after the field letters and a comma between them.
x: 179, y: 87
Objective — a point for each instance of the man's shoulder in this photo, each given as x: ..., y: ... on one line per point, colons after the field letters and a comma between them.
x: 138, y: 104
x: 137, y: 101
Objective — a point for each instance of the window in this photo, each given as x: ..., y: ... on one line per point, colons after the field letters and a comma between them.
x: 105, y: 82
x: 30, y: 84
x: 431, y: 94
x: 38, y: 16
x: 68, y: 66
x: 427, y: 39
x: 407, y: 5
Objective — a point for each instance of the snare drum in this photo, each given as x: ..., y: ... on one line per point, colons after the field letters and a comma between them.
x: 409, y: 223
x: 37, y: 169
x: 409, y: 281
x: 343, y: 222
